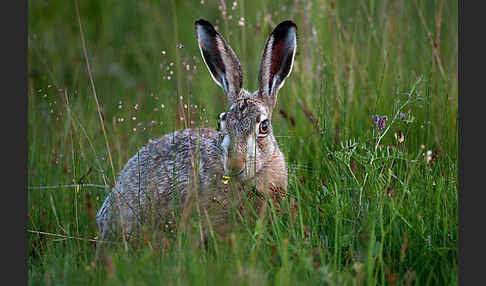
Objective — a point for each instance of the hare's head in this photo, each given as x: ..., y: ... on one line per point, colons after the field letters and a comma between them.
x: 246, y: 131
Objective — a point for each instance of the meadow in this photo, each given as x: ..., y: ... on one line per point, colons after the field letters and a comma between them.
x: 367, y: 122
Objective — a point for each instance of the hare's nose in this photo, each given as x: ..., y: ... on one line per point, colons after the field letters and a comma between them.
x: 236, y: 164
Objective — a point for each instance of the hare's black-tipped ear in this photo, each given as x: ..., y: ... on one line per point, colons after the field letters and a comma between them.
x: 277, y: 61
x: 220, y: 59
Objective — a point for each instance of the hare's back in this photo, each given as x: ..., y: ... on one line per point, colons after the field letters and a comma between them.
x: 168, y: 163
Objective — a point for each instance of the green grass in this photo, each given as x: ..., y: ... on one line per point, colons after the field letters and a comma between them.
x: 362, y: 209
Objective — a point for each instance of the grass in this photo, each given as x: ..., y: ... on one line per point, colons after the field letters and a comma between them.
x: 362, y: 207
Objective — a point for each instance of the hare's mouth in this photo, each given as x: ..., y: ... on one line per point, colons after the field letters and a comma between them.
x: 240, y: 173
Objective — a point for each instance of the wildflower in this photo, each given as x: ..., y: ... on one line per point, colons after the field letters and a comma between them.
x: 428, y: 156
x: 225, y: 179
x: 380, y: 122
x: 399, y: 136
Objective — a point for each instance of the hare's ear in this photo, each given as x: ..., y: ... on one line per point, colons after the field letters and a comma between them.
x: 277, y: 61
x: 220, y: 59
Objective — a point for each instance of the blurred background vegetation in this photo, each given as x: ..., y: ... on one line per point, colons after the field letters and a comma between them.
x: 354, y: 59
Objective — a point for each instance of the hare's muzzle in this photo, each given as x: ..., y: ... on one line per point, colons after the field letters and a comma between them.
x: 236, y: 164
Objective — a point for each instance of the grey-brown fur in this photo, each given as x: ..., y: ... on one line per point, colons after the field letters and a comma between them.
x: 188, y: 165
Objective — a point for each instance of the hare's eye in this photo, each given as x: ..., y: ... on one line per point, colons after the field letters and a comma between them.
x: 264, y: 127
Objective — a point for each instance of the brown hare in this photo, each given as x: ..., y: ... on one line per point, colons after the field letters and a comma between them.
x: 206, y: 165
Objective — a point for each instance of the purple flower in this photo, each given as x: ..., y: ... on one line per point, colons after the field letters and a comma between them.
x: 380, y: 122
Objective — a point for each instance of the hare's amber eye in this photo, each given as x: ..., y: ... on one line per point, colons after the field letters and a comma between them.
x: 264, y: 127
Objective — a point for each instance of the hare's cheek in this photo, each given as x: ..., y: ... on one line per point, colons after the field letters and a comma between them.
x: 265, y: 146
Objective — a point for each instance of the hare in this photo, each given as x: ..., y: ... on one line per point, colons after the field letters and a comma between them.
x: 206, y: 165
